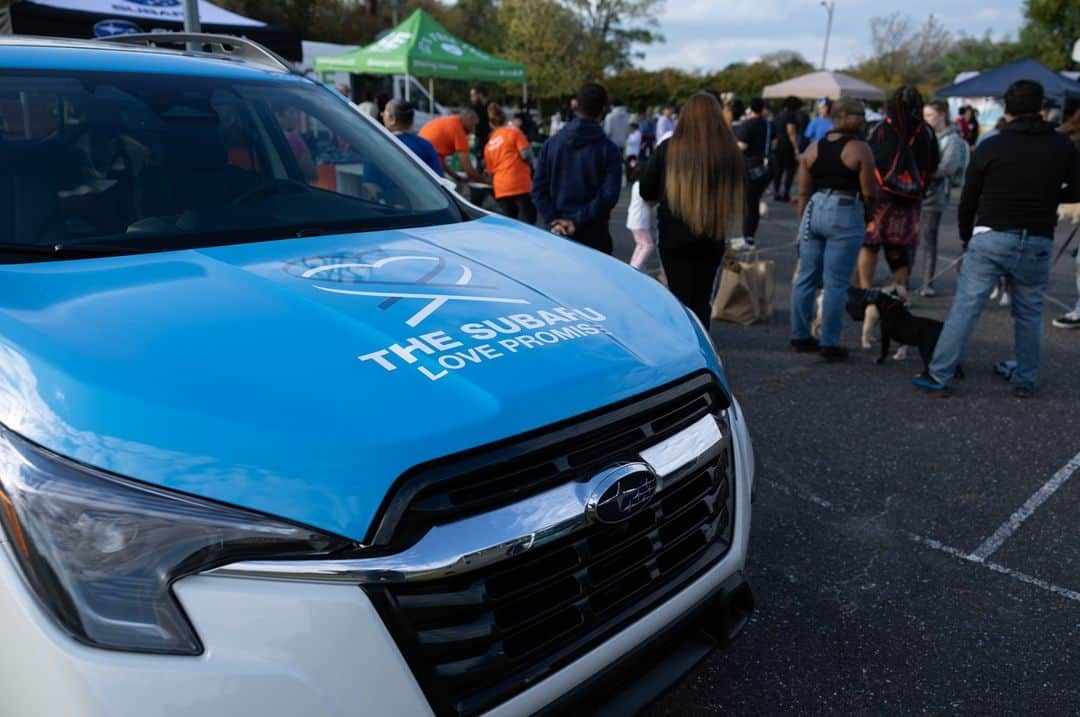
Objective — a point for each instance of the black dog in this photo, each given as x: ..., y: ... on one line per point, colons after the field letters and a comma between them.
x: 897, y: 323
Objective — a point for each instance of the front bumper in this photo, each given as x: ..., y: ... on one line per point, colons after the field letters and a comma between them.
x: 286, y: 648
x: 644, y: 673
x: 279, y: 648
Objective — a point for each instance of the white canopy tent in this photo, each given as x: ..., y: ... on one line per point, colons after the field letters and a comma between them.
x: 102, y: 18
x: 817, y: 85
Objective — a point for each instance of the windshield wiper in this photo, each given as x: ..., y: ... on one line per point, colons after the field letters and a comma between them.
x: 71, y: 251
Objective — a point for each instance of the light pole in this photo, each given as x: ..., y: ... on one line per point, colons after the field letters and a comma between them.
x: 191, y: 21
x: 829, y: 6
x: 191, y: 16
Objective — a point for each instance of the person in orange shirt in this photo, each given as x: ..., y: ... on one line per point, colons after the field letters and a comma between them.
x: 507, y: 155
x: 450, y: 135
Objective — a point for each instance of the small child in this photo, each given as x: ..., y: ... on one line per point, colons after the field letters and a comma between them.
x: 640, y: 219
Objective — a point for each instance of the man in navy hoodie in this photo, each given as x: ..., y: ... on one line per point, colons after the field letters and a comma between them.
x: 579, y: 175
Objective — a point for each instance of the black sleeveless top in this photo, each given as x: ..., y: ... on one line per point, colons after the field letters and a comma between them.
x: 829, y: 171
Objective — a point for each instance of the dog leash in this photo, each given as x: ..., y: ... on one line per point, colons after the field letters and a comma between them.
x: 1065, y: 246
x: 942, y: 273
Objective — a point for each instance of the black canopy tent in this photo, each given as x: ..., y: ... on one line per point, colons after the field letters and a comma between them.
x: 98, y: 18
x: 993, y: 83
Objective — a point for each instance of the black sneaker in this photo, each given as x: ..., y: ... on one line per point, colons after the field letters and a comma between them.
x: 1070, y: 320
x: 805, y: 345
x: 832, y: 354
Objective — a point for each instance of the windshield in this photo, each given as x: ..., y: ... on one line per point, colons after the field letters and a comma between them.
x: 148, y: 162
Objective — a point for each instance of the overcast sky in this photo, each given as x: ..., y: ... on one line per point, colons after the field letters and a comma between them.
x: 709, y: 34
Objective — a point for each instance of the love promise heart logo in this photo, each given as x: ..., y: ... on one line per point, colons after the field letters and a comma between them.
x: 387, y: 274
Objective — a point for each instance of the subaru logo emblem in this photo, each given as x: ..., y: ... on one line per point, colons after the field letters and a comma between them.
x: 620, y: 492
x: 115, y: 26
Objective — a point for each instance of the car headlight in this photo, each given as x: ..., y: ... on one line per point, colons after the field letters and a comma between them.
x: 101, y: 552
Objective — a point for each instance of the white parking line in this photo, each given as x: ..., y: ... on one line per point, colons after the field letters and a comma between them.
x: 997, y: 568
x: 942, y: 547
x: 1010, y: 526
x: 802, y: 494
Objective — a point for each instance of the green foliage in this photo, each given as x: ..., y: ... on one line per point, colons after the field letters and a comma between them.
x: 748, y: 80
x: 612, y: 28
x: 636, y: 87
x: 344, y: 21
x: 544, y: 35
x: 670, y: 85
x: 1051, y: 29
x: 565, y: 42
x: 929, y: 58
x: 904, y: 54
x: 978, y: 53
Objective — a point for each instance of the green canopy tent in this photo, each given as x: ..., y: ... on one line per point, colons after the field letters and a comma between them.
x: 421, y: 47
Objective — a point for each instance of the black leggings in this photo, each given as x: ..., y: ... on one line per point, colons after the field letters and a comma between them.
x: 691, y: 274
x: 783, y: 167
x: 752, y: 212
x: 519, y: 207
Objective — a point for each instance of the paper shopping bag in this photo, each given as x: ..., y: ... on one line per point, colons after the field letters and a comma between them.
x: 745, y: 291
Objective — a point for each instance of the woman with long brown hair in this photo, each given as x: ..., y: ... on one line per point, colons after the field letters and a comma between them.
x: 697, y: 178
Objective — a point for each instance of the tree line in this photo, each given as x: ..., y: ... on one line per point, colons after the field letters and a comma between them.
x: 564, y: 42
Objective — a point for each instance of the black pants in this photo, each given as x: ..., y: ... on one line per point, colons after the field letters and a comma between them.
x: 594, y: 235
x: 518, y: 207
x: 752, y: 212
x: 783, y: 167
x: 691, y: 273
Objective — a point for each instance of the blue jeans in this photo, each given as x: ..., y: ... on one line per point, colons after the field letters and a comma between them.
x: 1025, y: 259
x: 830, y: 236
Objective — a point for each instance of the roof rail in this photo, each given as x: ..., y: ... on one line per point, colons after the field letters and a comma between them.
x: 223, y: 45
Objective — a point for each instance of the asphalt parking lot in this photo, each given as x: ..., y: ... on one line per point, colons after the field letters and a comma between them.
x: 909, y: 555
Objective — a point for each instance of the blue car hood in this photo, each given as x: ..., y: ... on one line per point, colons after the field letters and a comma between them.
x: 302, y: 377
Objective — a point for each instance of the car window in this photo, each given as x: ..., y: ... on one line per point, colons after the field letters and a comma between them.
x: 145, y: 162
x: 419, y: 97
x: 28, y: 115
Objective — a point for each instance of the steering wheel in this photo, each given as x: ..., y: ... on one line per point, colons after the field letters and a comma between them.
x: 278, y: 186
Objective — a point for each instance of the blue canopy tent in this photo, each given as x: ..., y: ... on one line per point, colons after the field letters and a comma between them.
x: 993, y: 83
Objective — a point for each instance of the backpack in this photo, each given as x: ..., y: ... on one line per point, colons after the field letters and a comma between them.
x: 903, y: 178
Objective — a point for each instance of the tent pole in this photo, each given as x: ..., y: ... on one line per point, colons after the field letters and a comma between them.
x: 525, y: 95
x: 408, y: 83
x: 431, y: 93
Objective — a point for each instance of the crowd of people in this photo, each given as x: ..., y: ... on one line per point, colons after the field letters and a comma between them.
x: 897, y: 177
x: 697, y: 175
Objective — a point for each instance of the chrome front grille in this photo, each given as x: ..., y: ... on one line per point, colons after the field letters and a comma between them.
x: 511, y: 471
x: 474, y: 637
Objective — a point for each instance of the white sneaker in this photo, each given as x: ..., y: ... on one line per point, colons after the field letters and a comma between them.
x: 1070, y: 320
x: 1005, y: 300
x: 995, y: 294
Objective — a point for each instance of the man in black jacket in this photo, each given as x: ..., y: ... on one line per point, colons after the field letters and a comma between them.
x: 1008, y: 210
x: 579, y: 175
